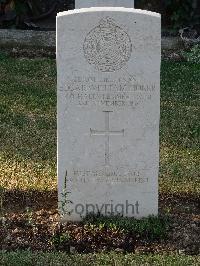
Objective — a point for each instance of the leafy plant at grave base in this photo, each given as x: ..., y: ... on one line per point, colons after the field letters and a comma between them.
x: 22, y: 13
x: 152, y: 227
x: 29, y: 216
x: 61, y: 241
x: 64, y: 203
x: 193, y: 55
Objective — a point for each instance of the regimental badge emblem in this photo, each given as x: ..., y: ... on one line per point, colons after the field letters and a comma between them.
x: 107, y: 47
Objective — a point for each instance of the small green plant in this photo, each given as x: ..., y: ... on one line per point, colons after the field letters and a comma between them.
x: 61, y: 241
x: 64, y: 203
x: 193, y: 55
x: 151, y: 227
x: 29, y: 215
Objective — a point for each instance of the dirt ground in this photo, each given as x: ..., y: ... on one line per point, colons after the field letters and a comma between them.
x: 29, y: 223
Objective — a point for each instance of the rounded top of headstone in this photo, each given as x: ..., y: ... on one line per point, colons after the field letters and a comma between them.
x: 109, y: 9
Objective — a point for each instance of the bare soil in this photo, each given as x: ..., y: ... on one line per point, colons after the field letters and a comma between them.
x: 37, y: 227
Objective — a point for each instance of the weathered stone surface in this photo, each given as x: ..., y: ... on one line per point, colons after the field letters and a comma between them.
x: 27, y: 38
x: 108, y: 111
x: 171, y: 43
x: 103, y: 3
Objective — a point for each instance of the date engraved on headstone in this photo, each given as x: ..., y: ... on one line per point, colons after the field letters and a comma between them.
x: 107, y: 47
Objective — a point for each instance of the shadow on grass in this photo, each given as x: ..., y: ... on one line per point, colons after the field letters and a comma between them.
x: 19, y: 200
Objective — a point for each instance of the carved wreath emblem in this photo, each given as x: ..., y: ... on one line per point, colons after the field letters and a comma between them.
x: 107, y: 47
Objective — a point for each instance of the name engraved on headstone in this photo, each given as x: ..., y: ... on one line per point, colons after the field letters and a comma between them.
x: 105, y: 93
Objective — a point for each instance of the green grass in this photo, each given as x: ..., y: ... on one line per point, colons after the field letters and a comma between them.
x: 28, y: 126
x: 61, y: 259
x: 180, y: 128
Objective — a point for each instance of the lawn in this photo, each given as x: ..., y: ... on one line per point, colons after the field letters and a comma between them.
x: 28, y: 150
x: 28, y: 126
x: 61, y: 259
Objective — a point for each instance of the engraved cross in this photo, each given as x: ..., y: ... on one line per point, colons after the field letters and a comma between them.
x: 107, y: 133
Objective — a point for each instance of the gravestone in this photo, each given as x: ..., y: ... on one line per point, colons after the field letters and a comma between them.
x: 108, y: 64
x: 103, y: 3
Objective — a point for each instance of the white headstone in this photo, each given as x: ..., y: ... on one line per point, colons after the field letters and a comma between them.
x: 108, y: 62
x: 104, y: 3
